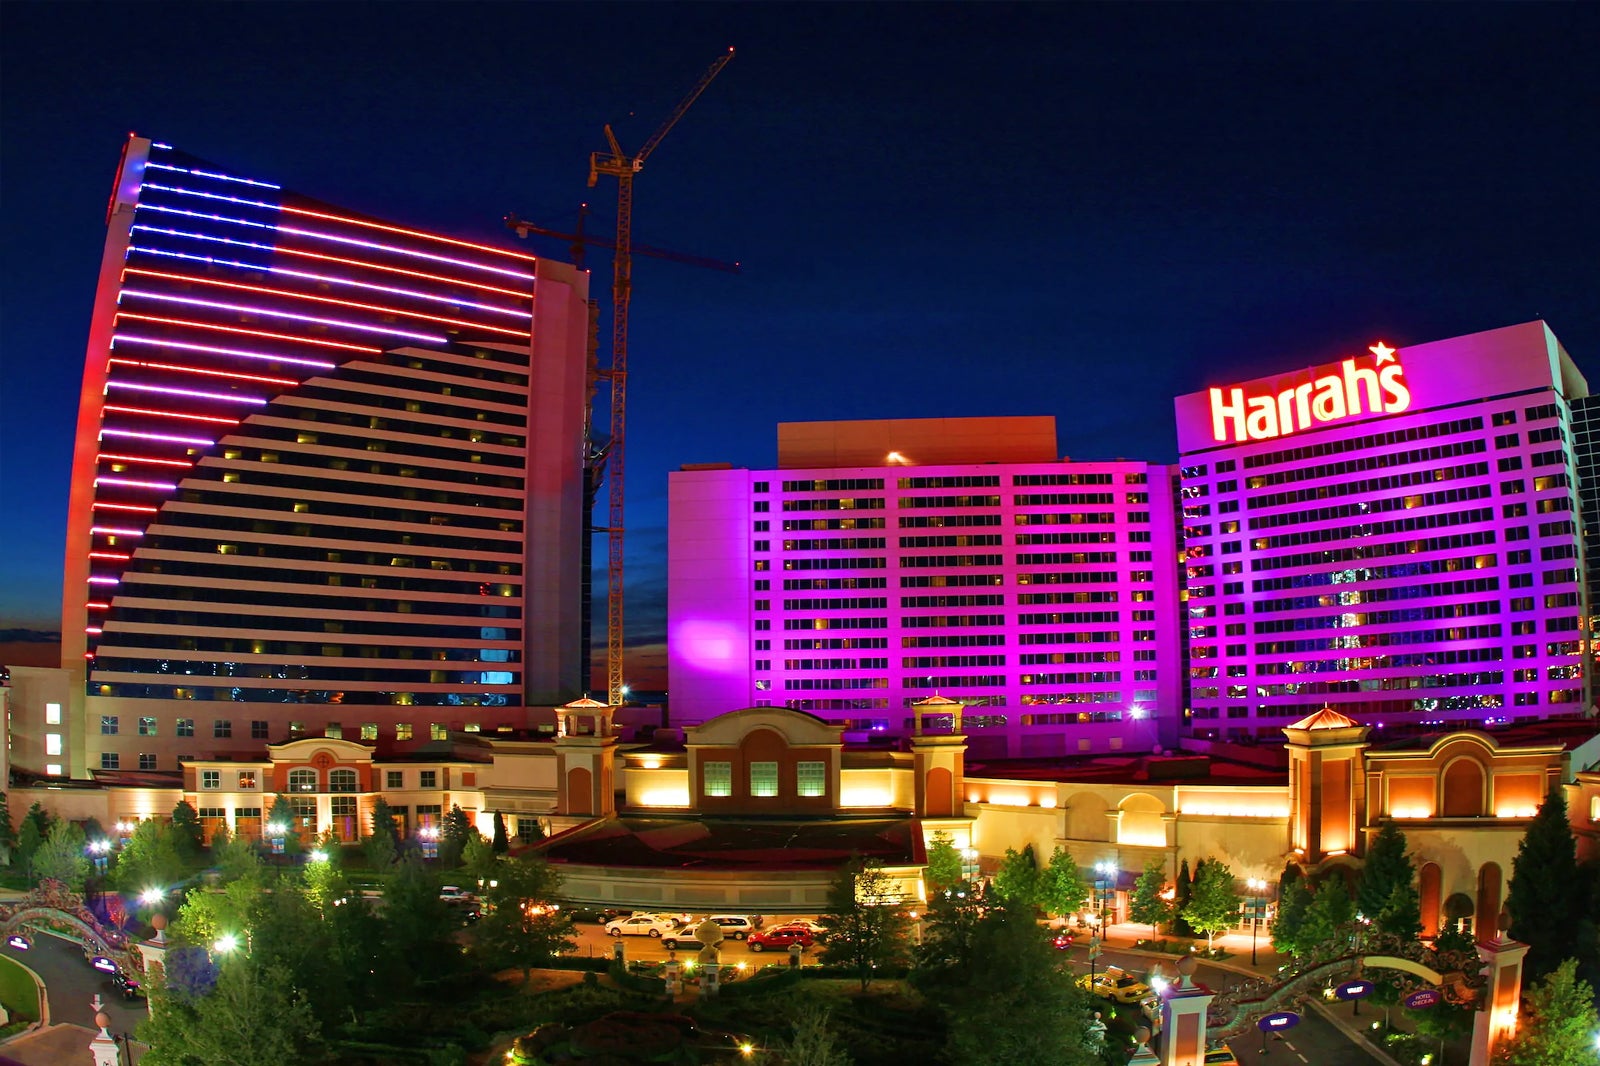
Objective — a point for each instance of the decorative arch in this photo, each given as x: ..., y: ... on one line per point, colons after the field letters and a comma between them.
x: 1430, y: 880
x: 1086, y: 816
x: 1140, y: 821
x: 1486, y: 920
x: 940, y: 793
x: 1462, y: 789
x: 580, y: 791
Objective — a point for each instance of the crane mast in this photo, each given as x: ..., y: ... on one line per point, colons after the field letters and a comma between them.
x: 623, y: 167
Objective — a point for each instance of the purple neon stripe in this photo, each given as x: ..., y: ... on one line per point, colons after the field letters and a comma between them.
x: 211, y: 196
x: 212, y: 174
x: 171, y: 391
x: 196, y: 441
x: 238, y: 353
x: 245, y: 309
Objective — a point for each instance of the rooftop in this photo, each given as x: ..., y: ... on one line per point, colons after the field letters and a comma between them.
x: 736, y: 844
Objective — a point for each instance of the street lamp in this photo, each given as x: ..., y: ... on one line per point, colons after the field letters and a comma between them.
x: 1257, y: 887
x: 969, y: 865
x: 225, y: 944
x: 1107, y: 872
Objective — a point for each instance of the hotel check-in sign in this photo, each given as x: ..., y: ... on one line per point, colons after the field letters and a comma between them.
x: 1352, y: 388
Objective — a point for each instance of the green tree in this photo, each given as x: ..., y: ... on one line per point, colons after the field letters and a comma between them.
x: 235, y: 857
x: 40, y: 818
x: 149, y: 859
x: 416, y: 926
x: 479, y: 860
x: 187, y: 835
x: 8, y: 832
x: 1147, y: 905
x: 1327, y: 919
x: 1558, y: 1023
x: 1017, y: 879
x: 944, y: 864
x: 1386, y: 865
x: 383, y: 844
x: 949, y: 934
x: 28, y: 841
x: 1061, y: 888
x: 502, y: 843
x: 813, y: 1041
x: 281, y: 821
x: 383, y: 821
x: 1288, y: 925
x: 454, y: 831
x: 863, y: 928
x: 61, y: 857
x: 521, y: 928
x: 1401, y: 914
x: 1184, y: 891
x: 1214, y: 903
x: 206, y: 916
x: 1544, y: 892
x: 253, y: 1016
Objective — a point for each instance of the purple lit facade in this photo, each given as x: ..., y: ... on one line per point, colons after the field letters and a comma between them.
x: 1395, y: 535
x: 1039, y: 593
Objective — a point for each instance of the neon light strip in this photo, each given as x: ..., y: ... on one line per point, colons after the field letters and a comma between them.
x: 523, y: 256
x: 158, y: 144
x: 171, y: 414
x: 452, y: 300
x: 286, y: 294
x: 113, y: 531
x: 235, y: 352
x: 252, y: 333
x: 314, y: 235
x: 211, y: 196
x: 95, y: 605
x: 108, y: 432
x: 101, y: 505
x: 104, y: 581
x: 169, y: 391
x: 246, y: 310
x: 143, y: 459
x: 210, y: 174
x: 306, y: 254
x: 127, y: 483
x: 198, y: 370
x: 110, y: 555
x: 93, y: 631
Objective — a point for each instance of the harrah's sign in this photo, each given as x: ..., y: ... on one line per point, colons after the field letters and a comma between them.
x: 1341, y: 390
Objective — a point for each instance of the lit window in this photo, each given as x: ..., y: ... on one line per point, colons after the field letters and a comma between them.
x: 369, y: 730
x: 147, y: 727
x: 210, y: 778
x: 438, y: 731
x: 247, y: 779
x: 185, y: 727
x: 717, y: 778
x: 763, y: 779
x: 402, y: 731
x: 52, y: 743
x: 341, y: 780
x: 302, y: 780
x: 52, y: 769
x: 52, y: 714
x: 333, y: 731
x: 811, y: 778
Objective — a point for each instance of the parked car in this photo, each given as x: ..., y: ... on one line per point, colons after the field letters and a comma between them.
x: 1062, y: 940
x: 737, y: 926
x: 651, y: 925
x: 582, y: 912
x: 780, y: 938
x: 1221, y: 1056
x: 814, y: 928
x: 1116, y: 984
x: 454, y: 894
x: 682, y: 935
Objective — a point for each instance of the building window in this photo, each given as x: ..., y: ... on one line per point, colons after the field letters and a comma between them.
x: 438, y: 731
x: 811, y: 778
x: 333, y: 731
x: 52, y: 769
x: 369, y: 730
x: 185, y: 727
x: 109, y: 760
x: 258, y: 730
x: 763, y: 779
x: 302, y: 780
x: 52, y: 743
x: 341, y: 780
x: 394, y: 779
x: 147, y: 727
x: 52, y: 714
x: 529, y: 830
x: 297, y: 729
x: 147, y: 761
x: 221, y: 728
x: 402, y: 731
x: 716, y: 778
x: 429, y: 779
x: 210, y: 778
x: 472, y: 727
x: 108, y: 725
x: 247, y: 779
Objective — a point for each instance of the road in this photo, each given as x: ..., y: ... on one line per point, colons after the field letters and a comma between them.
x: 1314, y: 1042
x: 71, y: 983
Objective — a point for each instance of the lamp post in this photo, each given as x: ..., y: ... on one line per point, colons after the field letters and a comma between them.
x: 1107, y: 872
x: 1257, y: 887
x: 969, y: 867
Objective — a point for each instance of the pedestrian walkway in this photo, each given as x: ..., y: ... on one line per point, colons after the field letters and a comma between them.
x: 1125, y: 936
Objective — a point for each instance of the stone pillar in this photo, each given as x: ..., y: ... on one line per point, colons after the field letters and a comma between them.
x: 103, y: 1046
x: 1183, y: 1019
x: 1142, y: 1055
x: 670, y: 972
x: 153, y: 953
x: 1502, y: 997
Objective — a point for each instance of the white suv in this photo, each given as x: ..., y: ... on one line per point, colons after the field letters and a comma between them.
x: 651, y: 925
x: 737, y: 926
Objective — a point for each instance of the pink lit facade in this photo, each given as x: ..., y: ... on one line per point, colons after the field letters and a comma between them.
x: 327, y: 475
x: 1395, y: 535
x: 1038, y: 592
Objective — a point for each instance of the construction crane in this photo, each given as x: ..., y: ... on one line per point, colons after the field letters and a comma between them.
x: 623, y: 167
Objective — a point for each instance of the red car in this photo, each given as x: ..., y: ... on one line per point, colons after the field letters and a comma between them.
x: 1062, y: 940
x: 780, y: 938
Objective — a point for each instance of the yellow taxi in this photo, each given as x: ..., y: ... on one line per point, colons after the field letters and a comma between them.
x: 1116, y: 984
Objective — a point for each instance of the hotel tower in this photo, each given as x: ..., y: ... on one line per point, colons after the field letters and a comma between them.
x: 1395, y: 535
x: 327, y: 475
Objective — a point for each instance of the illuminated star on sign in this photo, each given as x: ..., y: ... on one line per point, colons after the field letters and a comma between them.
x: 1382, y: 353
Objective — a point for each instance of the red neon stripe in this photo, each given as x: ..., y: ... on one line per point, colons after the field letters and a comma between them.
x: 171, y: 414
x: 95, y: 605
x: 207, y: 373
x: 143, y: 458
x: 250, y: 332
x: 409, y: 233
x: 101, y: 505
x: 521, y: 295
x: 286, y: 294
x: 109, y: 555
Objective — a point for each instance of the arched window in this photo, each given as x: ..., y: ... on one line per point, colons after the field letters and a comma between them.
x: 341, y: 780
x: 1463, y: 789
x: 302, y: 780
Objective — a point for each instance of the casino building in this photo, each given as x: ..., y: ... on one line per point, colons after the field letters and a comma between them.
x: 327, y: 472
x: 885, y: 562
x: 1395, y: 536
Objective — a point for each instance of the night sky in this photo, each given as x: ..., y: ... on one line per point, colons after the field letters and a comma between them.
x: 941, y: 209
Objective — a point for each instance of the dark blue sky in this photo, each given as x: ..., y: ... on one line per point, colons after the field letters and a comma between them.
x: 942, y: 209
